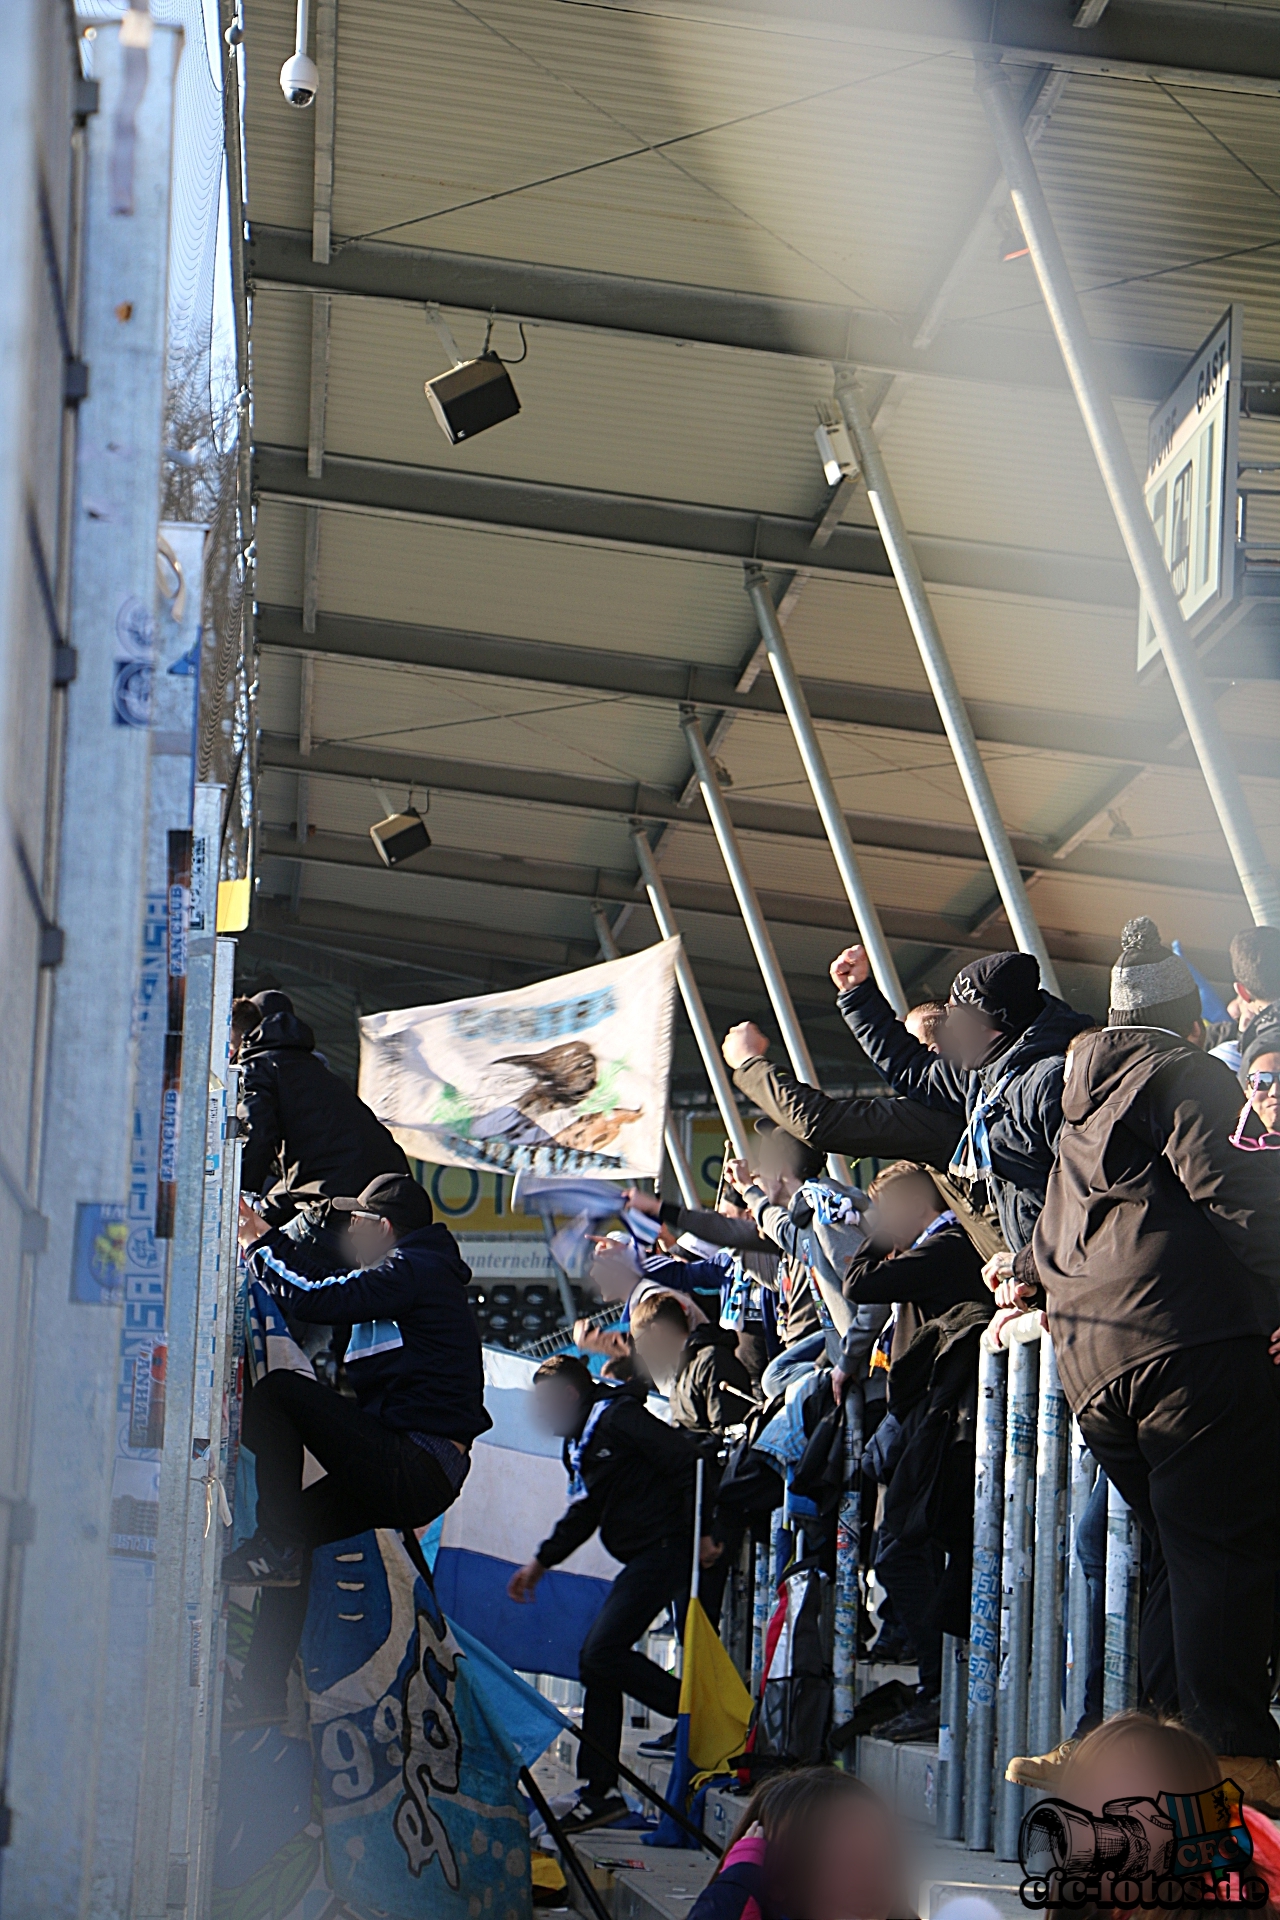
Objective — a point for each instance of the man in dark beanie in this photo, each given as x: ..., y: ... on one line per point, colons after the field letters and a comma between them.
x: 1158, y: 1256
x: 999, y: 1071
x: 307, y: 1136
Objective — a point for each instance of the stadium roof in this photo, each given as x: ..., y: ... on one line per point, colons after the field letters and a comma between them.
x: 672, y: 219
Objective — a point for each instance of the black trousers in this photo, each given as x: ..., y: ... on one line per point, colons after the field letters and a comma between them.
x: 1192, y: 1441
x: 912, y: 1577
x: 609, y: 1666
x: 374, y: 1477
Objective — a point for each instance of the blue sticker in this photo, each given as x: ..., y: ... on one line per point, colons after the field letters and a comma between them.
x: 99, y: 1253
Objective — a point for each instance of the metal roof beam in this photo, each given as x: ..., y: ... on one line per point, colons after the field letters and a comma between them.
x: 630, y: 800
x: 672, y: 682
x: 682, y: 528
x: 565, y: 880
x: 280, y: 260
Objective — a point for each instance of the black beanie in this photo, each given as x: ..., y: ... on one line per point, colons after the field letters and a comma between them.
x: 1003, y: 986
x: 1262, y: 1035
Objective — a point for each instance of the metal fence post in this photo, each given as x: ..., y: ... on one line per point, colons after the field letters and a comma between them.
x: 815, y: 765
x: 1120, y: 1664
x: 760, y: 1600
x: 1044, y: 1713
x: 942, y: 679
x: 1083, y: 1472
x: 1097, y: 410
x: 1015, y: 1611
x: 712, y: 1058
x: 848, y: 1539
x: 951, y: 1737
x: 984, y: 1624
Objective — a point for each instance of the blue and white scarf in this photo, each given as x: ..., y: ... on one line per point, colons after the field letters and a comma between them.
x: 577, y: 1448
x: 972, y: 1157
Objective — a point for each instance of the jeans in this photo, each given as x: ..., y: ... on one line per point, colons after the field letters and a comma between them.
x: 375, y: 1477
x: 1192, y: 1441
x: 609, y: 1666
x: 1091, y: 1552
x: 791, y: 1363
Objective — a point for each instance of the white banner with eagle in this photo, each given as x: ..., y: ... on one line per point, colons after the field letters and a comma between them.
x: 565, y: 1077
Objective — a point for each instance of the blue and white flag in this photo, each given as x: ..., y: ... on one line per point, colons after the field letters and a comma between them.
x: 511, y: 1499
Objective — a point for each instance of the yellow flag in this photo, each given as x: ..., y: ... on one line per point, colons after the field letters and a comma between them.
x: 713, y: 1696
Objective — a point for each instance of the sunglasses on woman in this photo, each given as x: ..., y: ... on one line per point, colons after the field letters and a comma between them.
x: 1259, y: 1142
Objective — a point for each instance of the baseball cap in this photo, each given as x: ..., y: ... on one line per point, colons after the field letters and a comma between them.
x: 397, y: 1197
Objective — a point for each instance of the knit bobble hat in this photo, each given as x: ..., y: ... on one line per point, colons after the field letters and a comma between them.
x: 1147, y: 974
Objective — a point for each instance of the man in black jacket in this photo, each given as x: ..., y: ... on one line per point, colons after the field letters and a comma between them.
x: 1158, y: 1252
x: 632, y: 1477
x: 707, y: 1386
x: 307, y: 1136
x: 1000, y: 1070
x: 919, y: 1257
x: 395, y: 1456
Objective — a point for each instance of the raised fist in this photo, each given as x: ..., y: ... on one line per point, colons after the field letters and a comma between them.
x: 850, y: 968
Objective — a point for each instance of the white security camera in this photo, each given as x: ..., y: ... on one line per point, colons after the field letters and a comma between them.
x: 299, y: 80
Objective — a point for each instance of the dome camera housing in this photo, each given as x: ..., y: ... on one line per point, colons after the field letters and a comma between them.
x: 299, y: 80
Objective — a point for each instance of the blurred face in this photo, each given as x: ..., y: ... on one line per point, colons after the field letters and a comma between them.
x: 659, y: 1345
x: 854, y: 1871
x: 613, y: 1271
x: 1131, y: 1767
x: 967, y: 1036
x: 1264, y: 1090
x: 370, y: 1238
x: 902, y: 1211
x: 557, y: 1407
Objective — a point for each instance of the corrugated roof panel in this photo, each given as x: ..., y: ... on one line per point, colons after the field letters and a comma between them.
x: 493, y: 583
x: 506, y: 909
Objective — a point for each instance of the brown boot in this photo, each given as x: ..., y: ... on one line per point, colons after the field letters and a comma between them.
x: 1040, y: 1769
x: 1258, y: 1781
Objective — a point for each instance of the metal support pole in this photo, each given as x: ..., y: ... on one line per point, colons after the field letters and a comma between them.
x: 1044, y: 1714
x: 954, y: 713
x: 848, y: 1540
x: 984, y: 1613
x: 712, y: 1058
x: 761, y: 1598
x: 1120, y: 1661
x: 951, y: 1737
x: 670, y: 1136
x: 1097, y: 410
x: 814, y: 761
x: 1079, y: 1608
x: 753, y: 918
x: 1015, y: 1611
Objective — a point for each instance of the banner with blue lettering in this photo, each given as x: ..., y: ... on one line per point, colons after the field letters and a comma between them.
x: 567, y: 1076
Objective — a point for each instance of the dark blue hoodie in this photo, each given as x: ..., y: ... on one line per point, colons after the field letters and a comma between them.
x: 413, y: 1356
x: 1021, y: 1088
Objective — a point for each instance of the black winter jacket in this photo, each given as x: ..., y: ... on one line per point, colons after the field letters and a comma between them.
x: 879, y: 1126
x: 638, y: 1475
x: 1156, y: 1233
x: 413, y: 1356
x: 308, y: 1135
x: 712, y: 1388
x: 941, y: 1272
x: 1022, y: 1120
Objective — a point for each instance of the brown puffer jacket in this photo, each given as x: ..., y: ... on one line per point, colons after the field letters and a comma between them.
x: 1156, y: 1233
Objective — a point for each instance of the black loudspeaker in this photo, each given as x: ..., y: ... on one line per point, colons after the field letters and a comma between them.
x: 399, y: 837
x: 471, y: 397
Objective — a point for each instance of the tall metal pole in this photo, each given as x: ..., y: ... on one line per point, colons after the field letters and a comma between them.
x: 1112, y: 455
x: 757, y: 928
x: 1015, y: 1615
x: 814, y: 761
x: 942, y: 679
x: 984, y: 1614
x: 848, y: 1542
x: 1120, y: 1659
x: 951, y: 1737
x: 670, y: 1137
x: 761, y: 939
x: 712, y: 1058
x: 1044, y: 1714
